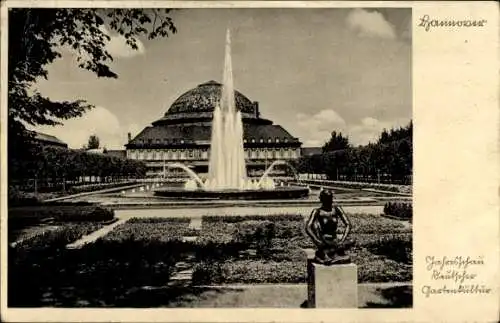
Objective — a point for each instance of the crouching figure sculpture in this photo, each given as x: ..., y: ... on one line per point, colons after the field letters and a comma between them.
x: 322, y: 228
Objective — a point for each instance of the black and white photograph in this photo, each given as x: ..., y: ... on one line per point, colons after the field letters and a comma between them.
x: 210, y: 158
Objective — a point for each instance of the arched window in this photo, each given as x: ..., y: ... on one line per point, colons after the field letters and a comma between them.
x: 253, y: 140
x: 269, y: 139
x: 261, y: 140
x: 277, y: 140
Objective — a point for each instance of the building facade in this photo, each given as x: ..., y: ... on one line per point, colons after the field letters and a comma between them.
x: 183, y: 134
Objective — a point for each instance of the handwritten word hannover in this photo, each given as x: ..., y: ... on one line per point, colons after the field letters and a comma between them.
x: 426, y: 22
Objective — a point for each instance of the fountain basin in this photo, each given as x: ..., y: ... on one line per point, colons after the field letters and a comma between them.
x: 285, y: 192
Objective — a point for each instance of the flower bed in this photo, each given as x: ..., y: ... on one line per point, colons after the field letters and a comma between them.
x: 399, y: 210
x: 242, y: 218
x: 142, y: 252
x: 152, y: 229
x: 55, y: 239
x: 21, y: 217
x: 397, y: 247
x: 99, y: 274
x: 369, y: 223
x: 264, y: 251
x: 360, y: 185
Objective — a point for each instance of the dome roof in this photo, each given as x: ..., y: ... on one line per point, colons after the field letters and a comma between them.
x: 198, y: 104
x: 204, y: 97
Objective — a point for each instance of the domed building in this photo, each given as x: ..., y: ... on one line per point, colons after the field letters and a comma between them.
x: 183, y: 134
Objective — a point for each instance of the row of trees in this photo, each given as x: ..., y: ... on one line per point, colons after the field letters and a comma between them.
x: 390, y: 158
x: 54, y: 167
x: 36, y: 38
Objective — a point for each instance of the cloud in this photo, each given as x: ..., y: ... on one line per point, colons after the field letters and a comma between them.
x: 323, y: 120
x: 99, y: 121
x: 118, y: 47
x: 370, y: 23
x: 314, y: 130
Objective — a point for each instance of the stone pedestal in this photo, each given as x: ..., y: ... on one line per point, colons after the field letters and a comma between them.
x: 333, y: 286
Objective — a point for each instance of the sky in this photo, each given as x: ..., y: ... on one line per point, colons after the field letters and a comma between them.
x: 311, y: 70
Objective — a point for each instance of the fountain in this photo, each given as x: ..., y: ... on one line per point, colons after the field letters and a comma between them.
x: 227, y: 175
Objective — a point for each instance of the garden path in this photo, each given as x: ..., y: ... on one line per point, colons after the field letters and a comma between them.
x: 373, y: 295
x: 95, y: 235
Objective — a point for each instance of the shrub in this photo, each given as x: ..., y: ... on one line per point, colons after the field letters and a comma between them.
x: 399, y: 210
x: 20, y: 198
x: 206, y: 273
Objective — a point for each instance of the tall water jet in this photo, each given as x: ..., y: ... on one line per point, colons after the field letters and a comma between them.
x: 227, y: 169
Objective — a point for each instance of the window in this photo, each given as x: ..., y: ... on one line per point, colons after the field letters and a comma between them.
x: 182, y: 141
x: 269, y: 139
x: 157, y: 141
x: 261, y: 140
x: 277, y: 140
x: 286, y: 140
x: 253, y: 140
x: 244, y: 141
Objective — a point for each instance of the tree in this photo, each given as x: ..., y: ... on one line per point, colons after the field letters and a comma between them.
x: 337, y: 142
x: 36, y: 37
x: 93, y: 142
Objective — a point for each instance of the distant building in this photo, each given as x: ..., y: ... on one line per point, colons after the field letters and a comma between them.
x: 48, y: 140
x: 184, y: 133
